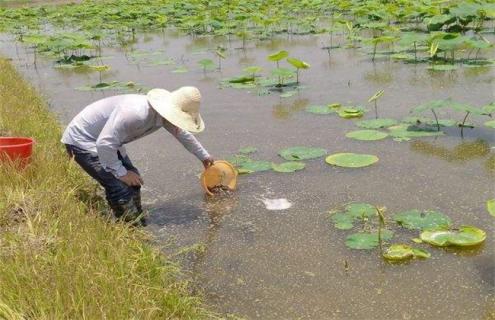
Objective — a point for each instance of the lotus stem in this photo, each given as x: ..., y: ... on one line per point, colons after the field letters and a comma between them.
x: 376, y: 109
x: 462, y: 124
x: 381, y: 225
x: 436, y: 119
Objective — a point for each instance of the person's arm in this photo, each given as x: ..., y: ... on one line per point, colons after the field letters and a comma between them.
x: 189, y: 142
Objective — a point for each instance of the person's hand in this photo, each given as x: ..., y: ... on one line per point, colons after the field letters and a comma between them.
x: 208, y: 162
x: 132, y: 179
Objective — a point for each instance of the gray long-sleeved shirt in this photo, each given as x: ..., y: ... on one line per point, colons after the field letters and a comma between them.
x: 104, y: 126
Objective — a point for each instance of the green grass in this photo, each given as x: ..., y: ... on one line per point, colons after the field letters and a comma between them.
x: 59, y: 257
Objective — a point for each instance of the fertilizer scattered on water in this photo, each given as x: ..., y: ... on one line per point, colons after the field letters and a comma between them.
x: 277, y: 204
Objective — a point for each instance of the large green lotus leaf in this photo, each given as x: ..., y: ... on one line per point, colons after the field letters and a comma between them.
x: 302, y: 153
x: 422, y: 220
x: 406, y: 131
x: 377, y: 123
x: 239, y: 159
x: 277, y: 56
x: 399, y: 252
x: 342, y: 221
x: 490, y: 206
x: 366, y: 241
x: 490, y: 124
x: 361, y: 210
x: 299, y: 64
x: 430, y: 122
x: 255, y: 166
x: 319, y: 109
x: 288, y: 167
x: 351, y: 160
x: 465, y: 236
x: 366, y: 135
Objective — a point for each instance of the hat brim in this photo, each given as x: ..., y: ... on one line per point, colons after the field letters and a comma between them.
x: 161, y: 100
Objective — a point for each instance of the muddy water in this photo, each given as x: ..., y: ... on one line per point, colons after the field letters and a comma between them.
x: 292, y: 264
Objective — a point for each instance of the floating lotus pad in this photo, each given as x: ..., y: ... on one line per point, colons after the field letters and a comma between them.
x: 367, y: 241
x: 422, y: 220
x: 366, y: 135
x: 490, y: 206
x: 254, y: 166
x: 490, y: 124
x: 465, y: 236
x: 377, y: 123
x: 353, y: 212
x: 320, y: 109
x: 342, y: 221
x: 406, y: 132
x: 302, y: 153
x: 351, y: 160
x: 361, y: 210
x: 287, y: 167
x: 400, y: 252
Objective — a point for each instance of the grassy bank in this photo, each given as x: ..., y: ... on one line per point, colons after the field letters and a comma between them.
x: 59, y: 258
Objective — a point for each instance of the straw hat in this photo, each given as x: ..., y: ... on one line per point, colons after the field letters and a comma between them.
x: 180, y: 107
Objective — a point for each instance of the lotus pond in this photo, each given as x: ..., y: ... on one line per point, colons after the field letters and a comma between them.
x: 364, y: 138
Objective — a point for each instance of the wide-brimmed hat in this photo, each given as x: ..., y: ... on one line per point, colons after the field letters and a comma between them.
x: 179, y: 107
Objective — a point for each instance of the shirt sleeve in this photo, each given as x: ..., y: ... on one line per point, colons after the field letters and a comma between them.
x: 187, y: 140
x: 111, y: 138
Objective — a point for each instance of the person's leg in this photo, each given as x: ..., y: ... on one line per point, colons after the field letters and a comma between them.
x: 126, y: 161
x: 119, y: 196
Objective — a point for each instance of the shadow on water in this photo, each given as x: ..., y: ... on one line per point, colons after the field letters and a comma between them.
x: 464, y: 151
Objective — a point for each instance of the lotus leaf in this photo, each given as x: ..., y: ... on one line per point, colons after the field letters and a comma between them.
x: 465, y: 236
x: 282, y: 72
x: 319, y: 109
x: 302, y: 153
x: 351, y: 160
x: 490, y: 206
x: 207, y: 64
x: 367, y: 135
x: 361, y: 210
x: 287, y: 167
x: 348, y: 113
x: 376, y: 96
x: 342, y: 221
x: 367, y: 241
x: 255, y: 166
x: 406, y: 132
x: 399, y: 252
x: 248, y: 150
x: 422, y: 220
x: 334, y: 105
x: 376, y: 123
x: 298, y: 63
x: 490, y: 124
x: 489, y: 108
x: 278, y: 55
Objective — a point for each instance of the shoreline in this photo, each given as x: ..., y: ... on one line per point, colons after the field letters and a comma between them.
x: 61, y: 257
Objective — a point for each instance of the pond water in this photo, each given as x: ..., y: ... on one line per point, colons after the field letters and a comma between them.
x: 292, y: 263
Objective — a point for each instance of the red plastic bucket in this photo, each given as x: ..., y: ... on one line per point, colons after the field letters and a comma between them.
x: 16, y: 149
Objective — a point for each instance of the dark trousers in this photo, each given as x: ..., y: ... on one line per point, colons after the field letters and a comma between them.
x: 116, y: 191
